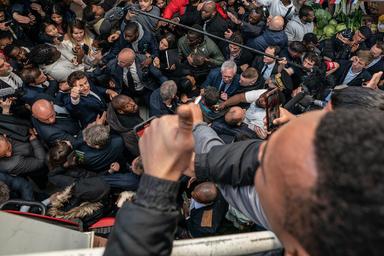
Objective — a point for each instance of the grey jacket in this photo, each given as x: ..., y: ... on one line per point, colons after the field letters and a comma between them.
x: 244, y: 198
x: 296, y: 30
x: 26, y: 158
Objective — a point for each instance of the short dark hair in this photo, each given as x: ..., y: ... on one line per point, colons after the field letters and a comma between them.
x: 310, y: 38
x: 237, y: 38
x: 275, y: 48
x: 211, y: 96
x: 5, y: 34
x: 304, y: 11
x: 29, y: 75
x: 132, y: 26
x: 194, y: 33
x: 357, y: 97
x: 58, y: 154
x: 88, y: 15
x: 312, y: 57
x: 344, y: 214
x: 297, y: 46
x: 42, y: 54
x: 75, y: 76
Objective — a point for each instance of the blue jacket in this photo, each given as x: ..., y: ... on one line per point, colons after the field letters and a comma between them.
x: 32, y: 93
x: 99, y: 160
x: 89, y: 106
x: 65, y: 128
x: 214, y: 79
x: 157, y: 106
x: 269, y: 37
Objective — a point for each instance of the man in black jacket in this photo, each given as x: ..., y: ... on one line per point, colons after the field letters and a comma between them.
x: 303, y: 202
x: 353, y: 72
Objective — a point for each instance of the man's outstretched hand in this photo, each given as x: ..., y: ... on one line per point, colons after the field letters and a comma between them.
x: 167, y: 145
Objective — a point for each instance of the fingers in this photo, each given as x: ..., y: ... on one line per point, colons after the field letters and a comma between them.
x: 185, y: 115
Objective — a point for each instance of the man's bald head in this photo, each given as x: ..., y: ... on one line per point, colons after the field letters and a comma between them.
x: 208, y: 10
x: 126, y: 57
x: 235, y: 116
x: 43, y: 111
x: 205, y: 192
x: 276, y: 23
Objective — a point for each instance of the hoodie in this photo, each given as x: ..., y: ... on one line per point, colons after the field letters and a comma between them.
x: 296, y: 30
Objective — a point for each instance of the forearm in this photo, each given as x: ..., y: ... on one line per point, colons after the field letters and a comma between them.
x: 234, y: 164
x: 38, y: 150
x: 151, y: 220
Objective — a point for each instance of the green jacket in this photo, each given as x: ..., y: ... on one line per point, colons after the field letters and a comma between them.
x: 208, y: 49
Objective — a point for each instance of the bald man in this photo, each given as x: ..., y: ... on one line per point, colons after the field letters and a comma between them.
x: 213, y: 22
x: 127, y: 76
x: 273, y: 35
x: 207, y: 210
x: 233, y: 127
x: 52, y: 123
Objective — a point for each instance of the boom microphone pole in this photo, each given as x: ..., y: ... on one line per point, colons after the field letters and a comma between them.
x: 133, y: 9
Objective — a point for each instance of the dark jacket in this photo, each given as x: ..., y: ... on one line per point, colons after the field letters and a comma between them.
x: 65, y: 128
x: 260, y: 65
x: 114, y: 72
x: 31, y: 93
x: 99, y: 160
x: 379, y: 66
x: 207, y: 220
x: 62, y: 177
x: 214, y: 79
x: 245, y: 57
x: 14, y: 127
x: 26, y: 158
x: 89, y: 106
x: 250, y: 31
x: 146, y: 226
x: 20, y: 185
x: 342, y: 72
x: 157, y: 106
x: 269, y: 37
x: 232, y: 133
x: 217, y: 26
x: 146, y: 44
x: 127, y: 133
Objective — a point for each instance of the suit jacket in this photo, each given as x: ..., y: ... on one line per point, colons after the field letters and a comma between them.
x: 65, y: 128
x: 115, y: 72
x: 89, y: 106
x: 259, y: 65
x: 342, y: 72
x: 379, y: 66
x: 31, y: 93
x: 214, y: 79
x: 14, y: 127
x: 27, y: 157
x: 157, y: 106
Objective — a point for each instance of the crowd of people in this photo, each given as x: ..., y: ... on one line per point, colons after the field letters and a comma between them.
x: 76, y: 77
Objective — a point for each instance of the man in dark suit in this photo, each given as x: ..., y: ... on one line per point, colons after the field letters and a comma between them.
x: 353, y: 72
x: 86, y: 102
x: 377, y: 64
x: 224, y: 79
x: 163, y: 101
x: 36, y: 83
x: 54, y: 123
x: 265, y: 65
